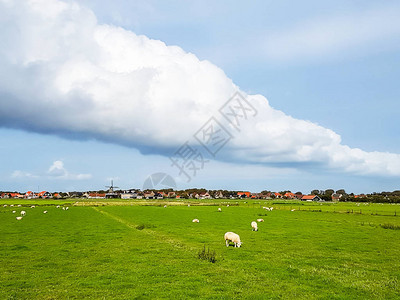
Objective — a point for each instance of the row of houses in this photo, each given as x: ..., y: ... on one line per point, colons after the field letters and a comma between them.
x: 137, y: 194
x: 30, y: 195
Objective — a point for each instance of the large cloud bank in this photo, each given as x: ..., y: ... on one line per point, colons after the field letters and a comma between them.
x: 63, y: 73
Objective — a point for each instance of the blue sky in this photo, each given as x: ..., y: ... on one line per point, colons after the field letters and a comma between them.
x: 334, y: 65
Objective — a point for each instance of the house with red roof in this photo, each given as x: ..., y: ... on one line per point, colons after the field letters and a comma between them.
x: 11, y: 195
x: 30, y: 195
x: 289, y: 195
x: 311, y: 198
x: 97, y: 195
x: 243, y: 194
x: 44, y: 195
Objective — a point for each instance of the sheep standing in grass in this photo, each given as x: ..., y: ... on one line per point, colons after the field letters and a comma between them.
x: 195, y: 221
x: 14, y: 211
x: 165, y: 206
x: 219, y: 209
x: 45, y: 212
x: 58, y: 206
x: 33, y: 206
x: 260, y: 220
x: 19, y: 205
x: 254, y: 226
x: 232, y: 237
x: 23, y: 213
x: 19, y: 218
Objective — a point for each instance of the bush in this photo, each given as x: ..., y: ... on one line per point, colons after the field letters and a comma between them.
x: 207, y: 255
x: 390, y: 226
x: 143, y: 226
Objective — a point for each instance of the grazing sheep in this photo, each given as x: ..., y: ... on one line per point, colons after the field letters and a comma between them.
x: 67, y: 208
x: 219, y: 209
x: 260, y: 220
x: 271, y: 208
x: 292, y: 209
x: 58, y: 206
x: 5, y: 205
x: 14, y: 211
x: 254, y: 226
x: 33, y: 206
x: 45, y: 212
x: 165, y: 206
x: 63, y: 208
x: 188, y: 205
x: 195, y: 221
x: 12, y: 205
x: 19, y: 218
x: 227, y: 205
x: 232, y: 237
x: 23, y: 213
x: 19, y: 205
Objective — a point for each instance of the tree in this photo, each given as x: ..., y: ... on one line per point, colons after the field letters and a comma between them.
x: 342, y: 191
x: 329, y: 192
x: 314, y: 192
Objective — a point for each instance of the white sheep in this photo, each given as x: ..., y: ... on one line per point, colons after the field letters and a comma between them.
x: 14, y: 211
x: 19, y: 205
x: 260, y: 220
x: 23, y: 213
x: 63, y: 208
x: 219, y: 209
x: 5, y: 205
x: 254, y: 226
x: 12, y: 205
x: 67, y: 208
x: 45, y: 212
x: 165, y: 206
x: 232, y: 237
x: 227, y: 205
x: 188, y: 205
x: 292, y: 209
x: 33, y: 206
x: 195, y: 221
x: 19, y: 218
x: 58, y: 206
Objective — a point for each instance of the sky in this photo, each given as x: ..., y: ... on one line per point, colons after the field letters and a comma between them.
x: 272, y: 95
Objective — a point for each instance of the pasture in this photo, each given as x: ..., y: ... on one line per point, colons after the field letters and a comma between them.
x: 101, y: 251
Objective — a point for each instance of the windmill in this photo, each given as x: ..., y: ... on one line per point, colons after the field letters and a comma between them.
x: 111, y: 188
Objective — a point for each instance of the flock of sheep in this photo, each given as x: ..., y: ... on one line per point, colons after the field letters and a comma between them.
x: 23, y: 212
x: 231, y: 237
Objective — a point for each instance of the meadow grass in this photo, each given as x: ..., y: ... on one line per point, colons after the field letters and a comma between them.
x: 152, y: 252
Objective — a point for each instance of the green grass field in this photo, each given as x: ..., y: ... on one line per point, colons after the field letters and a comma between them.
x: 327, y: 251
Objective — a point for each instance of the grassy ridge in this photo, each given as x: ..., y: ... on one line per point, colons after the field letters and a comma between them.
x: 151, y: 252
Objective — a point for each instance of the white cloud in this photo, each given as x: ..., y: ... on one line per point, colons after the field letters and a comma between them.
x: 68, y: 75
x: 22, y: 174
x: 55, y: 171
x: 324, y: 37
